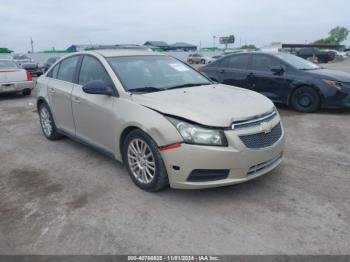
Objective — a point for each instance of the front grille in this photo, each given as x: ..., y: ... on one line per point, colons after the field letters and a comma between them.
x: 261, y: 140
x: 206, y: 175
x: 256, y: 121
x: 264, y: 165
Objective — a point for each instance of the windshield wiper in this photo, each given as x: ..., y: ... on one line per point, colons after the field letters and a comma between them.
x: 188, y: 85
x: 145, y: 89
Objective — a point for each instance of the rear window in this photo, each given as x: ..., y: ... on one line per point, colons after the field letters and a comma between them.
x: 7, y: 64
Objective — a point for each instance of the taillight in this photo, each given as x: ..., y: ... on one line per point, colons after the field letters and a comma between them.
x: 29, y: 76
x: 200, y: 69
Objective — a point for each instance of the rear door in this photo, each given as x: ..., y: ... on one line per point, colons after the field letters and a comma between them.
x: 232, y: 70
x: 93, y: 114
x: 261, y: 79
x: 60, y: 89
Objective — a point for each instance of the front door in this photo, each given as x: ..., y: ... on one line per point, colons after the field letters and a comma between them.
x: 263, y: 80
x: 93, y: 114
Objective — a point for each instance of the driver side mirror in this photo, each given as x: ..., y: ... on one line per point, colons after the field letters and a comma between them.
x: 98, y: 87
x: 277, y: 70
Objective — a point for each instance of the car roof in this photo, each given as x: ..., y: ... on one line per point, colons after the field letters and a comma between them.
x: 122, y: 52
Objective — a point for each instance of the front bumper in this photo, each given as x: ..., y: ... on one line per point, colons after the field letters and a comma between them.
x: 12, y: 87
x: 339, y: 100
x: 242, y: 163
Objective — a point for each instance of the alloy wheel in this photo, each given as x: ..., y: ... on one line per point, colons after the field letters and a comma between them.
x: 141, y: 161
x: 45, y: 121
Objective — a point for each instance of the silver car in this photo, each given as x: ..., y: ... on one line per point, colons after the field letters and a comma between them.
x: 14, y: 79
x: 168, y: 123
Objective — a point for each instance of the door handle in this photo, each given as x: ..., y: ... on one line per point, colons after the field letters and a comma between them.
x: 76, y: 100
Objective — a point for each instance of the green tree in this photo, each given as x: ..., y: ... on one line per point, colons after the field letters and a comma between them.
x: 336, y: 36
x: 339, y: 34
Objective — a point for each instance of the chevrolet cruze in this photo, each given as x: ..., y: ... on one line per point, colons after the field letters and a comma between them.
x: 168, y: 123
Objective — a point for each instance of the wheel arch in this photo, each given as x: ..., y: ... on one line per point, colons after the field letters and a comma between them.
x: 40, y: 100
x: 299, y: 85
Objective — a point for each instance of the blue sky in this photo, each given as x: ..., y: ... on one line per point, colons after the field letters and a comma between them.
x: 62, y: 23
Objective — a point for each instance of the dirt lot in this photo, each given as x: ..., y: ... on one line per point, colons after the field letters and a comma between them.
x: 64, y: 198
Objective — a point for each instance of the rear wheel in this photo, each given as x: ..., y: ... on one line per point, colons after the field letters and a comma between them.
x: 144, y: 162
x: 47, y: 123
x: 305, y: 99
x: 26, y: 92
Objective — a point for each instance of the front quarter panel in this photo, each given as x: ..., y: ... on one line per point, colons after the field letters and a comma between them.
x: 150, y: 121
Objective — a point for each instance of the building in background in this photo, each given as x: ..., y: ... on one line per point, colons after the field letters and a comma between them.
x: 181, y: 46
x: 159, y: 44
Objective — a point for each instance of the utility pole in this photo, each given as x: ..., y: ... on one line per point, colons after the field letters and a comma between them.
x: 32, y: 44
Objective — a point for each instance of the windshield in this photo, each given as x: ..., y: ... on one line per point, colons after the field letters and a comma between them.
x: 297, y: 62
x: 4, y: 64
x: 155, y: 73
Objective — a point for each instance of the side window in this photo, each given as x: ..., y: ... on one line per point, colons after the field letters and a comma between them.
x: 235, y: 62
x: 53, y: 71
x: 264, y: 63
x: 67, y: 69
x: 239, y: 61
x: 92, y: 69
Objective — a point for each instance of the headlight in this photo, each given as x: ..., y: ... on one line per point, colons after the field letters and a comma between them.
x: 195, y: 134
x: 333, y: 84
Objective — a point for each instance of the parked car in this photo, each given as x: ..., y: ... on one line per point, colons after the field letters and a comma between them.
x: 322, y: 56
x: 284, y: 78
x: 33, y: 68
x: 49, y: 62
x: 14, y: 79
x: 338, y: 55
x: 160, y: 117
x: 198, y: 59
x: 22, y: 59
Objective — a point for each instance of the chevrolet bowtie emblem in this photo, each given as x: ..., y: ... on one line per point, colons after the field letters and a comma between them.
x: 266, y: 127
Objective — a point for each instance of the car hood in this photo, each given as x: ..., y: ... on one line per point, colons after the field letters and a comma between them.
x: 331, y: 75
x: 211, y: 105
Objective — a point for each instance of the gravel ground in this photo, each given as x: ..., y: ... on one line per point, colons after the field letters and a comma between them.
x: 65, y: 198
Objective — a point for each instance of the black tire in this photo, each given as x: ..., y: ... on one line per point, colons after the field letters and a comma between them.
x: 305, y: 99
x: 203, y: 61
x: 190, y: 61
x: 53, y: 135
x: 160, y: 179
x: 26, y: 92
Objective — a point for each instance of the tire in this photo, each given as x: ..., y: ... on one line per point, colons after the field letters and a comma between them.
x: 45, y: 118
x: 140, y: 172
x: 202, y: 61
x: 190, y: 61
x: 26, y: 92
x: 305, y: 99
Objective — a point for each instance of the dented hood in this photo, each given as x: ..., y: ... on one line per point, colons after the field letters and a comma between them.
x: 211, y: 105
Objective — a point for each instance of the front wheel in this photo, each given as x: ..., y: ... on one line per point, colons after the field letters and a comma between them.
x: 144, y: 162
x: 203, y: 61
x: 305, y: 99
